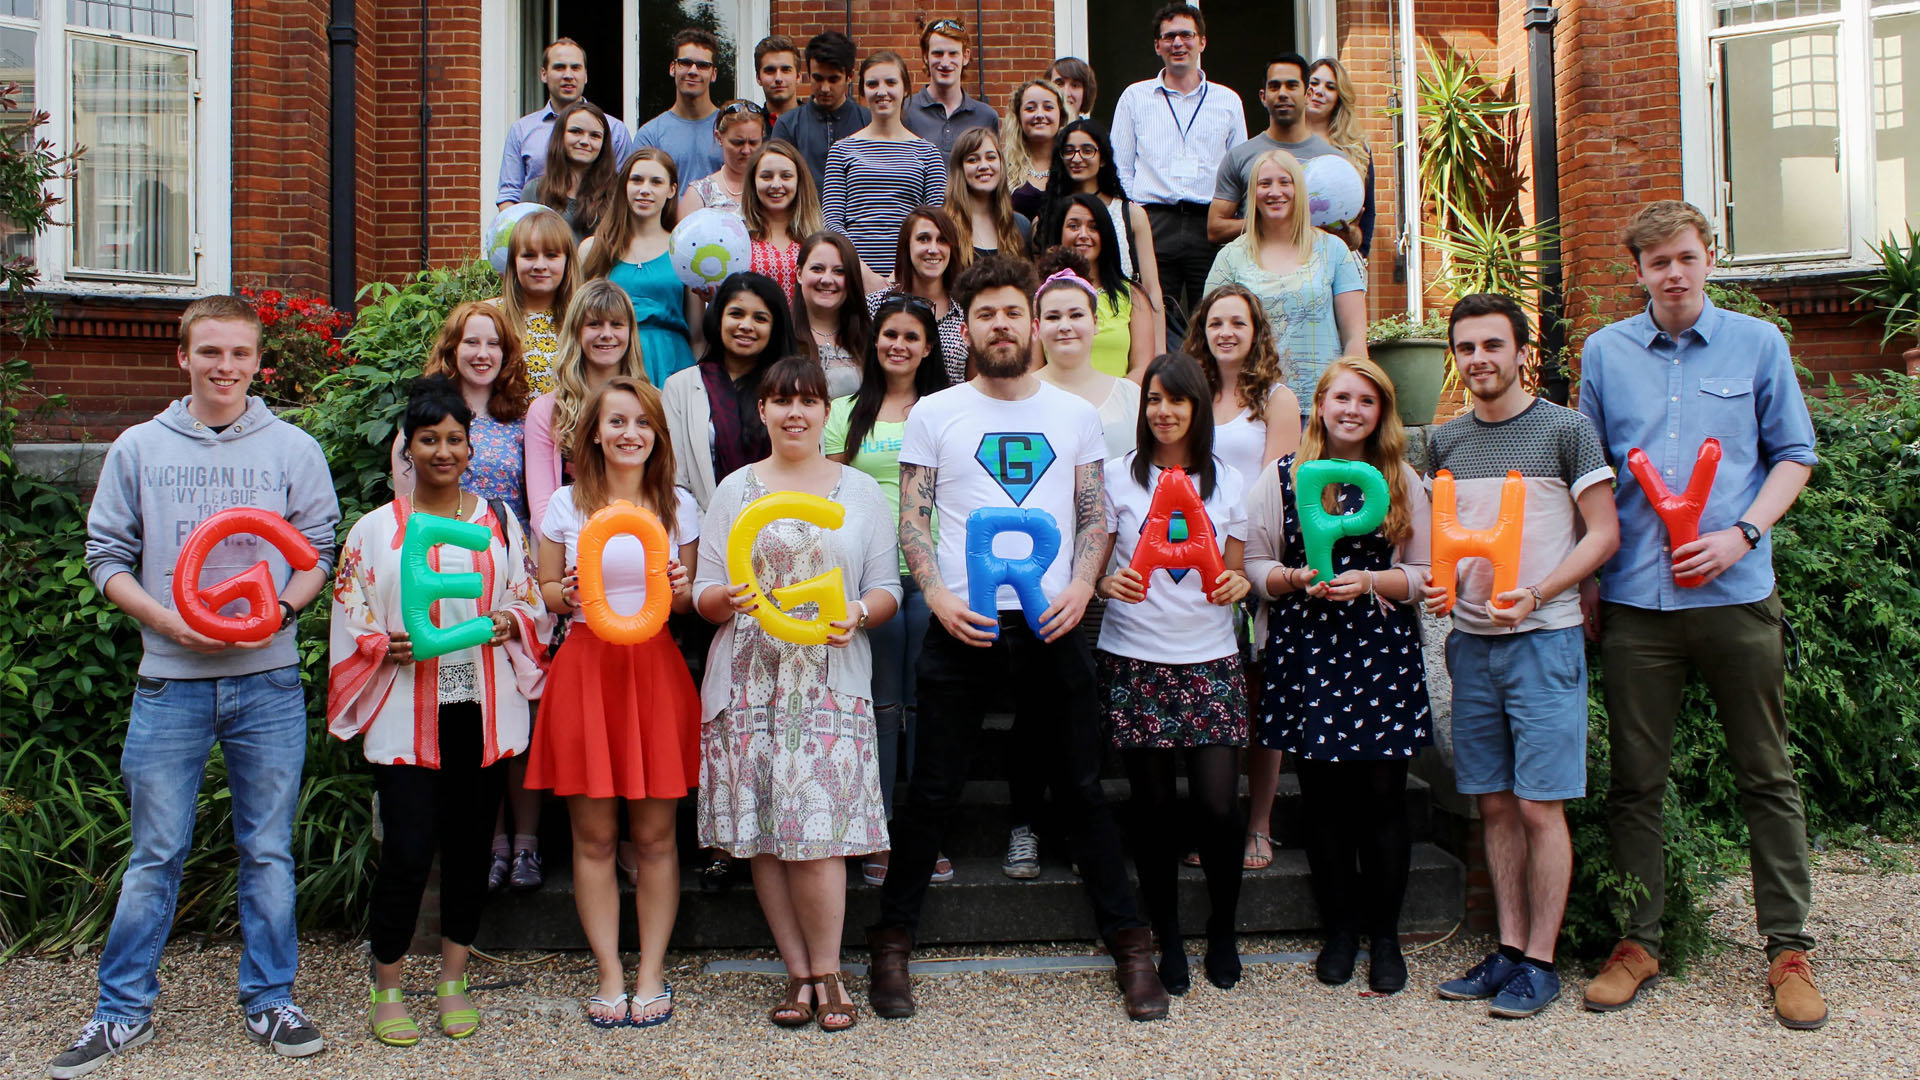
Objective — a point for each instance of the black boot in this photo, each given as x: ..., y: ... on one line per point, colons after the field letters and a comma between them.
x: 1335, y: 963
x: 1174, y: 974
x: 1223, y: 958
x: 1386, y: 968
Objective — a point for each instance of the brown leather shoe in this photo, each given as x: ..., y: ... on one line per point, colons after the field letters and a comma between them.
x: 1629, y: 970
x: 1133, y: 969
x: 1796, y: 1001
x: 889, y: 989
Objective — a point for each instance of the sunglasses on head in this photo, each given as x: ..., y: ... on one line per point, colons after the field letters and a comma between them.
x: 943, y: 26
x: 750, y: 107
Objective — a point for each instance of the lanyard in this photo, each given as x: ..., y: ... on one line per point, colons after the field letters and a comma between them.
x: 1201, y: 104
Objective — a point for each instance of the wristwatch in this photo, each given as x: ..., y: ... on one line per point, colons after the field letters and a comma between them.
x: 1538, y: 600
x: 1749, y: 530
x: 288, y: 615
x: 862, y: 623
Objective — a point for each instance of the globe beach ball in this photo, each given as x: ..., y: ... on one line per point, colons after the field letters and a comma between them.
x: 493, y: 242
x: 708, y: 245
x: 1335, y: 194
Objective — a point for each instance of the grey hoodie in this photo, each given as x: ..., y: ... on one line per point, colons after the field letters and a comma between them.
x: 164, y: 477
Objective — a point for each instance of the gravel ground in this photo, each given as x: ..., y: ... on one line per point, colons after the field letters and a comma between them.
x: 1278, y: 1023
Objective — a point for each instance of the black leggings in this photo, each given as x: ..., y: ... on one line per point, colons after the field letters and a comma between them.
x: 449, y: 809
x: 1358, y: 844
x: 1213, y: 777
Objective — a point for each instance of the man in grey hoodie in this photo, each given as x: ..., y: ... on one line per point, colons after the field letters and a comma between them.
x: 214, y: 449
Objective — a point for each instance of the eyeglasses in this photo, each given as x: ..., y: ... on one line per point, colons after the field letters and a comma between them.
x: 1080, y: 150
x: 1173, y: 37
x: 751, y: 107
x: 697, y: 65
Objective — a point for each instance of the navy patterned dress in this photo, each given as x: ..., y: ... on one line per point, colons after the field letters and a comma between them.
x: 1345, y: 681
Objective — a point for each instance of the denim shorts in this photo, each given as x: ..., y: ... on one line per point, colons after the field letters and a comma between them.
x: 1520, y: 713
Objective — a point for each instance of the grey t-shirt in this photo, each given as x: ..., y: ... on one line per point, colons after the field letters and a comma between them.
x: 1230, y: 182
x: 690, y: 143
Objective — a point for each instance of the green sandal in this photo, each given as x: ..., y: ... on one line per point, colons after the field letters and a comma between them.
x: 449, y: 1019
x: 391, y: 1031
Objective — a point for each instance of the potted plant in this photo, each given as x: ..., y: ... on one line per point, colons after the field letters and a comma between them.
x: 1895, y: 290
x: 1414, y: 355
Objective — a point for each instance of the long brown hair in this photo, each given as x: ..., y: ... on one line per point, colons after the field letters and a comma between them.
x: 1343, y: 126
x: 855, y: 326
x: 590, y: 492
x: 616, y: 230
x: 511, y: 392
x: 1261, y: 370
x: 960, y: 196
x: 804, y: 217
x: 541, y: 230
x: 1386, y: 448
x: 595, y: 187
x: 958, y: 253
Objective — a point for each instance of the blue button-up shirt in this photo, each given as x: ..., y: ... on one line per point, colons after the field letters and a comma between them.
x: 1727, y: 376
x: 524, y: 158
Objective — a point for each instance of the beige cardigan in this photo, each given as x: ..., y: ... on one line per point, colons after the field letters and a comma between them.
x: 689, y: 429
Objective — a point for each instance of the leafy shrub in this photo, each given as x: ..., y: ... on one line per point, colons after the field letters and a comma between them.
x: 299, y: 347
x: 357, y: 409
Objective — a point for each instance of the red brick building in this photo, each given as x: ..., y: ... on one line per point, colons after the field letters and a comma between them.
x: 211, y: 130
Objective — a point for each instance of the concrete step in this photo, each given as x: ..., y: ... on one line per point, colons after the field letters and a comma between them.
x: 979, y: 905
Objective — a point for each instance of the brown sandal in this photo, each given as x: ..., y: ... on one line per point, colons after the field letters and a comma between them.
x: 829, y: 1008
x: 792, y: 1012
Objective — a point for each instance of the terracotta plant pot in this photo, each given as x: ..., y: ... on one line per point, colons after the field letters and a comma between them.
x: 1912, y: 357
x: 1418, y: 368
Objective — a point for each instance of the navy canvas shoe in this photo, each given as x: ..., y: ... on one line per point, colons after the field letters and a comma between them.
x: 1481, y: 981
x: 1527, y: 991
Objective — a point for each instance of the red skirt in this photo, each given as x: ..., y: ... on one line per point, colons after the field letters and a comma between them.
x: 617, y: 721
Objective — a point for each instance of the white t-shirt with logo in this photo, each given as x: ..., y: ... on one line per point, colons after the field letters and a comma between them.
x: 1175, y: 624
x: 624, y: 567
x: 990, y: 452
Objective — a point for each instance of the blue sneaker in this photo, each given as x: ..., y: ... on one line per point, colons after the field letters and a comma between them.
x: 1481, y: 982
x: 1527, y: 991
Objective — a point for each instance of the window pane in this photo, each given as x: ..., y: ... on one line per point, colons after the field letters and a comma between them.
x: 1780, y: 116
x: 1750, y: 12
x: 133, y: 111
x: 16, y: 66
x: 1896, y: 121
x: 159, y: 18
x: 23, y: 9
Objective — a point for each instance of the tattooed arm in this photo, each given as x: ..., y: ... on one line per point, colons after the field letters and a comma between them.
x: 1091, y: 546
x: 917, y: 485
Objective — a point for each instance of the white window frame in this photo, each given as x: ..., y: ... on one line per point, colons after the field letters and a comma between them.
x: 1703, y: 144
x: 210, y: 204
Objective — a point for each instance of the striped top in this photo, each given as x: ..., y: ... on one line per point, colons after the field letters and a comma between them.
x: 872, y: 185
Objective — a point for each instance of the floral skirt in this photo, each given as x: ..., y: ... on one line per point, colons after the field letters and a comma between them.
x: 1156, y: 706
x: 797, y: 779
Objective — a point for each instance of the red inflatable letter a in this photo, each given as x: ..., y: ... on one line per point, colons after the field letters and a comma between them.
x: 1200, y: 550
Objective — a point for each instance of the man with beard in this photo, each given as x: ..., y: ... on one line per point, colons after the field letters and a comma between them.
x: 828, y: 115
x: 1004, y: 439
x: 1285, y: 96
x: 1518, y: 660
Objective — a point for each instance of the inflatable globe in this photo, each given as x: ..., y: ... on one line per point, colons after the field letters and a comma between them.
x: 1335, y: 194
x: 708, y: 245
x: 493, y: 242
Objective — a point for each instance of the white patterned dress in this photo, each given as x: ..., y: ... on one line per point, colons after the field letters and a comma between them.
x: 788, y: 768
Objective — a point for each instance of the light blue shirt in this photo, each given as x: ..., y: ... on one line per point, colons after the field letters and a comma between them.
x: 1727, y: 377
x: 1167, y: 146
x: 692, y: 145
x: 524, y: 157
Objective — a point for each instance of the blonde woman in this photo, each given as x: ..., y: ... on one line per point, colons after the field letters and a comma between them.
x: 781, y: 209
x: 740, y: 127
x: 542, y: 272
x: 1037, y: 111
x: 597, y: 342
x: 1332, y: 115
x: 1308, y: 281
x: 977, y: 198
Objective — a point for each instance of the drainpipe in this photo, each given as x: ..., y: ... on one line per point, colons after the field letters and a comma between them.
x: 342, y: 132
x: 1410, y: 162
x: 980, y: 68
x: 1540, y: 20
x: 426, y: 120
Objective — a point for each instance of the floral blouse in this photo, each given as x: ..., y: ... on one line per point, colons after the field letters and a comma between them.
x: 539, y: 344
x: 499, y: 468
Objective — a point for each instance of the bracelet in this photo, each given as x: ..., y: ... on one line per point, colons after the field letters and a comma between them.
x: 1372, y: 580
x: 288, y: 614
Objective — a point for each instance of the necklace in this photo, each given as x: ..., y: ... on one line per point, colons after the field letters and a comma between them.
x: 458, y: 499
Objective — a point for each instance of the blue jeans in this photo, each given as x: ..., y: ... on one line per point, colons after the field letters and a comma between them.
x: 260, y: 722
x: 896, y: 649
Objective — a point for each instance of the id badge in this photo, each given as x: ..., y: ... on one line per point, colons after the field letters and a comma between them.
x: 1185, y: 166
